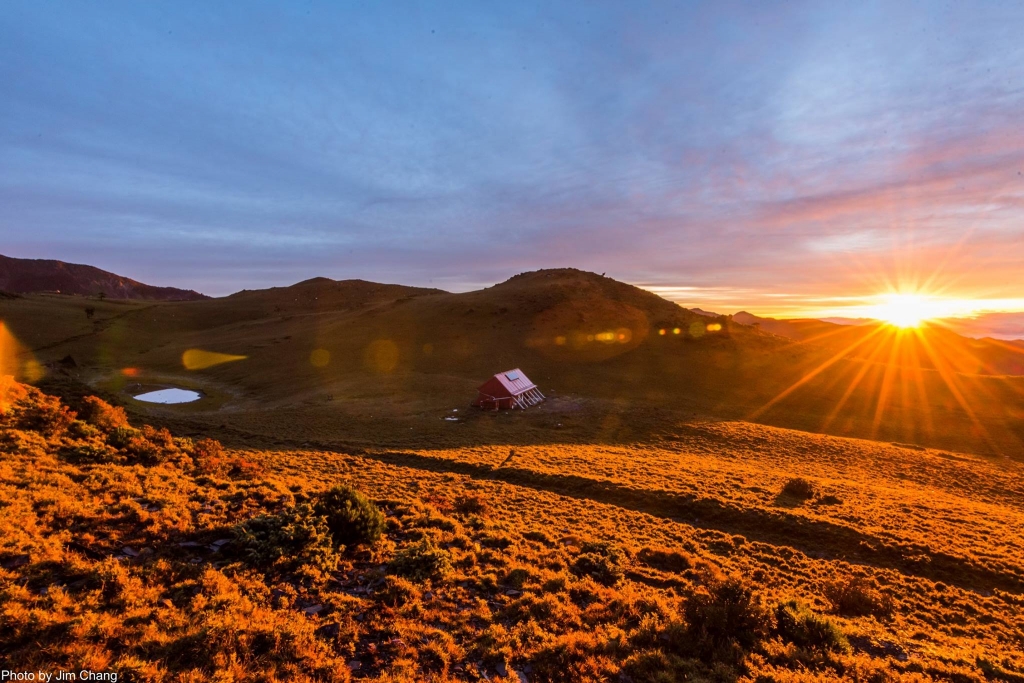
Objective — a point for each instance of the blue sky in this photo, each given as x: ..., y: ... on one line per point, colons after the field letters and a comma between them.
x: 769, y: 156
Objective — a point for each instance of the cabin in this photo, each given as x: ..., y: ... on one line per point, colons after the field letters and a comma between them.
x: 507, y: 391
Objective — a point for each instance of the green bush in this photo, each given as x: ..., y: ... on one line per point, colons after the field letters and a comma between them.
x: 799, y: 625
x: 351, y: 517
x: 422, y: 561
x: 296, y: 540
x: 601, y: 561
x: 121, y: 437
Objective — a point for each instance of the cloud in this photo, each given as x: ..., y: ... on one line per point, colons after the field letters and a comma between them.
x: 716, y: 146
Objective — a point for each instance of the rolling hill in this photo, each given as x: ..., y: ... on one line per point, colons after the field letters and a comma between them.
x: 331, y: 362
x: 26, y: 276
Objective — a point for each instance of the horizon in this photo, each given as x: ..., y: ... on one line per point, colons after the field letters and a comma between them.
x: 995, y: 326
x: 803, y: 162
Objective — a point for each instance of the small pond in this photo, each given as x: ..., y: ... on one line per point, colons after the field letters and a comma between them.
x: 169, y: 396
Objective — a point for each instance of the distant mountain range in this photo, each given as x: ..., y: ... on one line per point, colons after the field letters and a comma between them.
x: 31, y: 276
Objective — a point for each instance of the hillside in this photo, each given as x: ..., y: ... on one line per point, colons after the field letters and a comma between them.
x: 25, y: 276
x: 725, y: 552
x: 339, y: 362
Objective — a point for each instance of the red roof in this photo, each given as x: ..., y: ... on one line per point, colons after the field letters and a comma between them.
x: 512, y: 382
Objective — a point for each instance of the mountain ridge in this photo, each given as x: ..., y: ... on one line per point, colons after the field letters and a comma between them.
x: 37, y: 276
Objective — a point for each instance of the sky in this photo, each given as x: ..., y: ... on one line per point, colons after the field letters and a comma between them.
x: 786, y: 158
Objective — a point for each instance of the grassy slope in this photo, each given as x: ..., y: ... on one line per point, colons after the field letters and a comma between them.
x: 113, y: 563
x: 402, y: 357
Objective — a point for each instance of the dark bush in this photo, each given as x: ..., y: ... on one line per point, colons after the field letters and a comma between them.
x: 208, y: 456
x: 422, y: 561
x: 799, y: 488
x: 724, y: 621
x: 856, y: 597
x: 517, y: 578
x: 799, y: 625
x: 471, y: 504
x: 47, y: 415
x: 120, y: 437
x: 396, y: 592
x: 99, y: 413
x: 351, y: 517
x: 601, y: 561
x: 665, y: 559
x: 296, y: 540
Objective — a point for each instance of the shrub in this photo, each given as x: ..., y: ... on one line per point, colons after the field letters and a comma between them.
x: 799, y: 625
x: 665, y: 559
x: 599, y: 560
x: 798, y: 488
x: 422, y: 561
x: 208, y: 455
x: 296, y: 540
x: 856, y: 597
x: 724, y: 620
x: 572, y: 658
x: 351, y: 517
x: 396, y: 592
x: 47, y: 415
x: 120, y: 437
x: 99, y: 413
x: 90, y: 453
x: 517, y: 578
x: 538, y: 536
x: 471, y: 504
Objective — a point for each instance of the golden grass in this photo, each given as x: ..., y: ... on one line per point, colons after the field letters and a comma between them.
x: 674, y: 561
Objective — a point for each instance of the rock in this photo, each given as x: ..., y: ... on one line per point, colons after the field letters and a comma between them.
x: 190, y: 544
x: 355, y: 665
x: 129, y: 551
x: 17, y: 561
x: 221, y: 542
x: 328, y: 630
x: 313, y: 609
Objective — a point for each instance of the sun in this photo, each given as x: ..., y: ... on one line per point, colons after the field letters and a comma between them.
x: 904, y: 310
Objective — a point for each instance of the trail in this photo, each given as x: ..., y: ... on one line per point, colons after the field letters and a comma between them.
x: 98, y: 327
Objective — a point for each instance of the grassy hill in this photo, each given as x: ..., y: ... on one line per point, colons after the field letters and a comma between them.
x: 726, y: 552
x: 330, y: 362
x: 25, y: 276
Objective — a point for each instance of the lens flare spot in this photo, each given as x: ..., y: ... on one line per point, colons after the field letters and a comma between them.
x: 382, y: 355
x: 428, y: 349
x: 697, y: 330
x: 715, y: 327
x: 13, y: 361
x: 198, y: 359
x: 560, y: 341
x: 676, y: 330
x: 320, y: 358
x: 662, y: 331
x: 130, y: 372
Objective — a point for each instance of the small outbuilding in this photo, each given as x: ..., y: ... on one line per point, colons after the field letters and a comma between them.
x: 507, y: 391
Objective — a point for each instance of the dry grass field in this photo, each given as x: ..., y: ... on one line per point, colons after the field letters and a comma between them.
x: 727, y: 551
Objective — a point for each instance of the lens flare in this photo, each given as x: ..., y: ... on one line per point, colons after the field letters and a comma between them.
x: 198, y: 359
